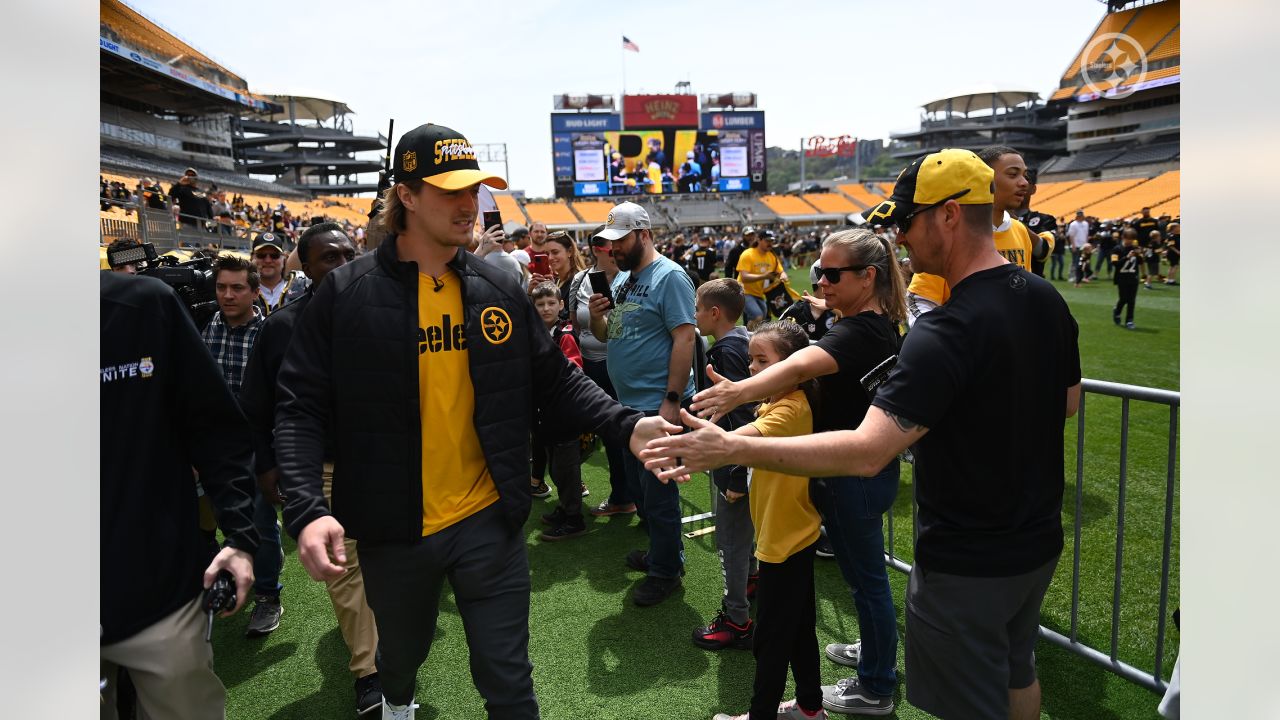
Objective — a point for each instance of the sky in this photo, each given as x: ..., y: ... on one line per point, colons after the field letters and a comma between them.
x: 491, y: 69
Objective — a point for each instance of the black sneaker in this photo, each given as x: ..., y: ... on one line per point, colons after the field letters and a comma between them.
x: 265, y: 617
x: 723, y: 633
x: 368, y: 695
x: 555, y: 517
x: 639, y: 560
x: 824, y: 549
x: 569, y: 528
x: 653, y: 590
x: 541, y: 490
x: 1115, y: 317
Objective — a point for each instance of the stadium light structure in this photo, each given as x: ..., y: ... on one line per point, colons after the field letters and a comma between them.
x: 728, y: 100
x: 583, y: 102
x: 493, y: 152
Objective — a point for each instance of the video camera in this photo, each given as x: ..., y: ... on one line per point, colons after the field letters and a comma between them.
x: 192, y: 280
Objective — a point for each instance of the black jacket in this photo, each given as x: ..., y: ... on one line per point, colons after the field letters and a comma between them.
x: 164, y: 409
x: 258, y: 388
x: 354, y: 360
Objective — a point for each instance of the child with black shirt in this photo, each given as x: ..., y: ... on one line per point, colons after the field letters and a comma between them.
x: 1127, y: 260
x: 719, y: 306
x: 564, y: 454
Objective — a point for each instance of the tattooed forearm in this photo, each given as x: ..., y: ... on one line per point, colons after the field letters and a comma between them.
x: 904, y: 424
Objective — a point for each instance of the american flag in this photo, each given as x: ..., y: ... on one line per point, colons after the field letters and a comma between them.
x: 628, y: 45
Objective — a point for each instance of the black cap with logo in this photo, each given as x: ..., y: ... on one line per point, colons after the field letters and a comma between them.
x: 442, y: 157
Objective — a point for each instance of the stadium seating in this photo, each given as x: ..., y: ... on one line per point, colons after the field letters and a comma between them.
x: 861, y: 196
x: 1084, y: 195
x: 886, y: 188
x: 510, y: 208
x: 1151, y: 193
x: 1153, y: 23
x: 550, y: 213
x: 832, y: 203
x: 1047, y: 190
x: 688, y: 210
x: 592, y: 211
x: 131, y: 28
x: 753, y: 211
x: 1171, y: 208
x: 1171, y: 46
x: 1145, y: 154
x: 788, y: 206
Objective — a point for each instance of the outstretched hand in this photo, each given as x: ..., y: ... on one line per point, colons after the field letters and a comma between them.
x: 718, y: 400
x: 676, y: 457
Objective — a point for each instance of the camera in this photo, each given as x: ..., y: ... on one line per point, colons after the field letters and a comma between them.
x: 192, y: 280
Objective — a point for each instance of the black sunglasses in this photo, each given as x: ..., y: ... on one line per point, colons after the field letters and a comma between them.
x: 625, y: 290
x: 833, y: 274
x: 905, y: 223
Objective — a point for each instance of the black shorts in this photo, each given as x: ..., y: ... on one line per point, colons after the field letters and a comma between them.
x: 972, y: 639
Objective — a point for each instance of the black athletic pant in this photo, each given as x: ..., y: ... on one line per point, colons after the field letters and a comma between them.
x: 1128, y: 297
x: 786, y: 635
x: 485, y: 562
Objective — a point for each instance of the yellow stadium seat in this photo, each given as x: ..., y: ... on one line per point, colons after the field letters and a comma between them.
x: 831, y: 203
x: 1153, y: 23
x: 1169, y: 47
x: 864, y: 198
x: 551, y: 213
x: 788, y: 205
x: 1082, y: 196
x: 592, y: 211
x: 1129, y: 203
x: 1047, y: 190
x: 510, y: 208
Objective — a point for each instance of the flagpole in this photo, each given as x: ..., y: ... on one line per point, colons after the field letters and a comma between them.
x: 624, y: 69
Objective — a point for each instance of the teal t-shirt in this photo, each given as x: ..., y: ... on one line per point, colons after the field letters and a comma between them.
x: 646, y: 310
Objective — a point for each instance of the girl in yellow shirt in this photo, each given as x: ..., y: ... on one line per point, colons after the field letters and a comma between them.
x: 786, y: 524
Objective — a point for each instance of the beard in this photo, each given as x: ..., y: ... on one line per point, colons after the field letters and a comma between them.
x: 630, y: 259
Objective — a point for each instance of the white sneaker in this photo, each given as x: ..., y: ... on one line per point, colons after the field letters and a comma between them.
x: 397, y: 712
x: 847, y: 655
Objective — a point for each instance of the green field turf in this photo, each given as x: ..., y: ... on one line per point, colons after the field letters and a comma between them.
x: 596, y: 655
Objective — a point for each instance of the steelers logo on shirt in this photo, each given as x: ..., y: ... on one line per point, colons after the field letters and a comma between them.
x: 495, y: 324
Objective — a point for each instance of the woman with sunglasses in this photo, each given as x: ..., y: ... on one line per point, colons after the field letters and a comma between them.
x: 859, y: 279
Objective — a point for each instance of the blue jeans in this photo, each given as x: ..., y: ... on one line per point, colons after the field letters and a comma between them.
x: 269, y: 560
x: 598, y: 370
x: 754, y: 309
x: 659, y: 505
x: 853, y: 509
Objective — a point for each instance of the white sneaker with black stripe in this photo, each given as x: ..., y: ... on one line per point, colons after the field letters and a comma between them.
x: 845, y: 654
x: 848, y: 697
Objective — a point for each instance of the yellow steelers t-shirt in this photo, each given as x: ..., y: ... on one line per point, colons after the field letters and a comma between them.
x: 754, y: 261
x: 1013, y: 241
x: 786, y: 520
x: 455, y: 478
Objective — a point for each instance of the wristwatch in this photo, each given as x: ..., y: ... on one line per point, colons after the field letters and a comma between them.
x: 673, y: 396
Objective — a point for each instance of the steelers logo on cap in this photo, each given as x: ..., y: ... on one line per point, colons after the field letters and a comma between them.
x: 495, y: 324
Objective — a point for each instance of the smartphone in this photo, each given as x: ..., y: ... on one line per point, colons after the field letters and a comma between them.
x: 600, y: 284
x: 491, y: 218
x: 539, y: 264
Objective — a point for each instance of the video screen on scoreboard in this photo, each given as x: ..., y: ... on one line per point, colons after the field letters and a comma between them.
x: 726, y: 154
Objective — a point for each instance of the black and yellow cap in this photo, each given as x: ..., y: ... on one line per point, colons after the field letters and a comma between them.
x: 442, y: 157
x: 947, y: 174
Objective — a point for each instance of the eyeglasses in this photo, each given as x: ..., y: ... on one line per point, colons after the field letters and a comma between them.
x: 268, y: 256
x: 905, y: 223
x: 833, y: 274
x: 600, y: 242
x: 626, y: 289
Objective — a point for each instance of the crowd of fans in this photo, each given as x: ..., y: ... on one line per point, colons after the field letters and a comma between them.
x: 203, y: 207
x: 533, y: 348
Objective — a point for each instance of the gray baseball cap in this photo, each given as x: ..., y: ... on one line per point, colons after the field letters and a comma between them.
x: 623, y: 218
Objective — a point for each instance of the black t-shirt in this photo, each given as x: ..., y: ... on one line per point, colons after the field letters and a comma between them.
x: 987, y: 373
x: 729, y: 356
x: 858, y: 344
x: 731, y: 262
x: 1144, y: 226
x: 703, y: 262
x: 1128, y: 264
x: 802, y: 315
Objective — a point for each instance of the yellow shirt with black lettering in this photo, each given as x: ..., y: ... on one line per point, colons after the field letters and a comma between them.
x: 756, y: 262
x: 455, y: 478
x: 784, y: 516
x: 1013, y: 241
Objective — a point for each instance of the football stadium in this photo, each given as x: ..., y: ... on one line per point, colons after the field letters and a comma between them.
x: 194, y: 163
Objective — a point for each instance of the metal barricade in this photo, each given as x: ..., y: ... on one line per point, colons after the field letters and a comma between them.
x: 1152, y: 680
x: 170, y: 231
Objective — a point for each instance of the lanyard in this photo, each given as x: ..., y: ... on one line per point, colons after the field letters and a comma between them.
x: 266, y: 306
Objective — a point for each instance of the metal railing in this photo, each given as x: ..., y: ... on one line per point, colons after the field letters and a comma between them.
x: 168, y: 230
x: 1154, y: 679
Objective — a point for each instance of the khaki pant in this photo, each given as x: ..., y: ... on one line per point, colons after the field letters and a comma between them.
x: 171, y: 667
x: 355, y: 619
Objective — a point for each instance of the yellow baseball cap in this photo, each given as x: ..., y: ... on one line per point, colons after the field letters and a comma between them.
x: 950, y: 174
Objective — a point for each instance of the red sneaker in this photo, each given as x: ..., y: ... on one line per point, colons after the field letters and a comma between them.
x: 723, y: 633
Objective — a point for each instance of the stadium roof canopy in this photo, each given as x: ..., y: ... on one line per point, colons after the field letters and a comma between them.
x: 980, y: 99
x: 311, y: 108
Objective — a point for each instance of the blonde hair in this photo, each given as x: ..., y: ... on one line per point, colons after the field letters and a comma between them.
x: 863, y: 247
x: 391, y: 218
